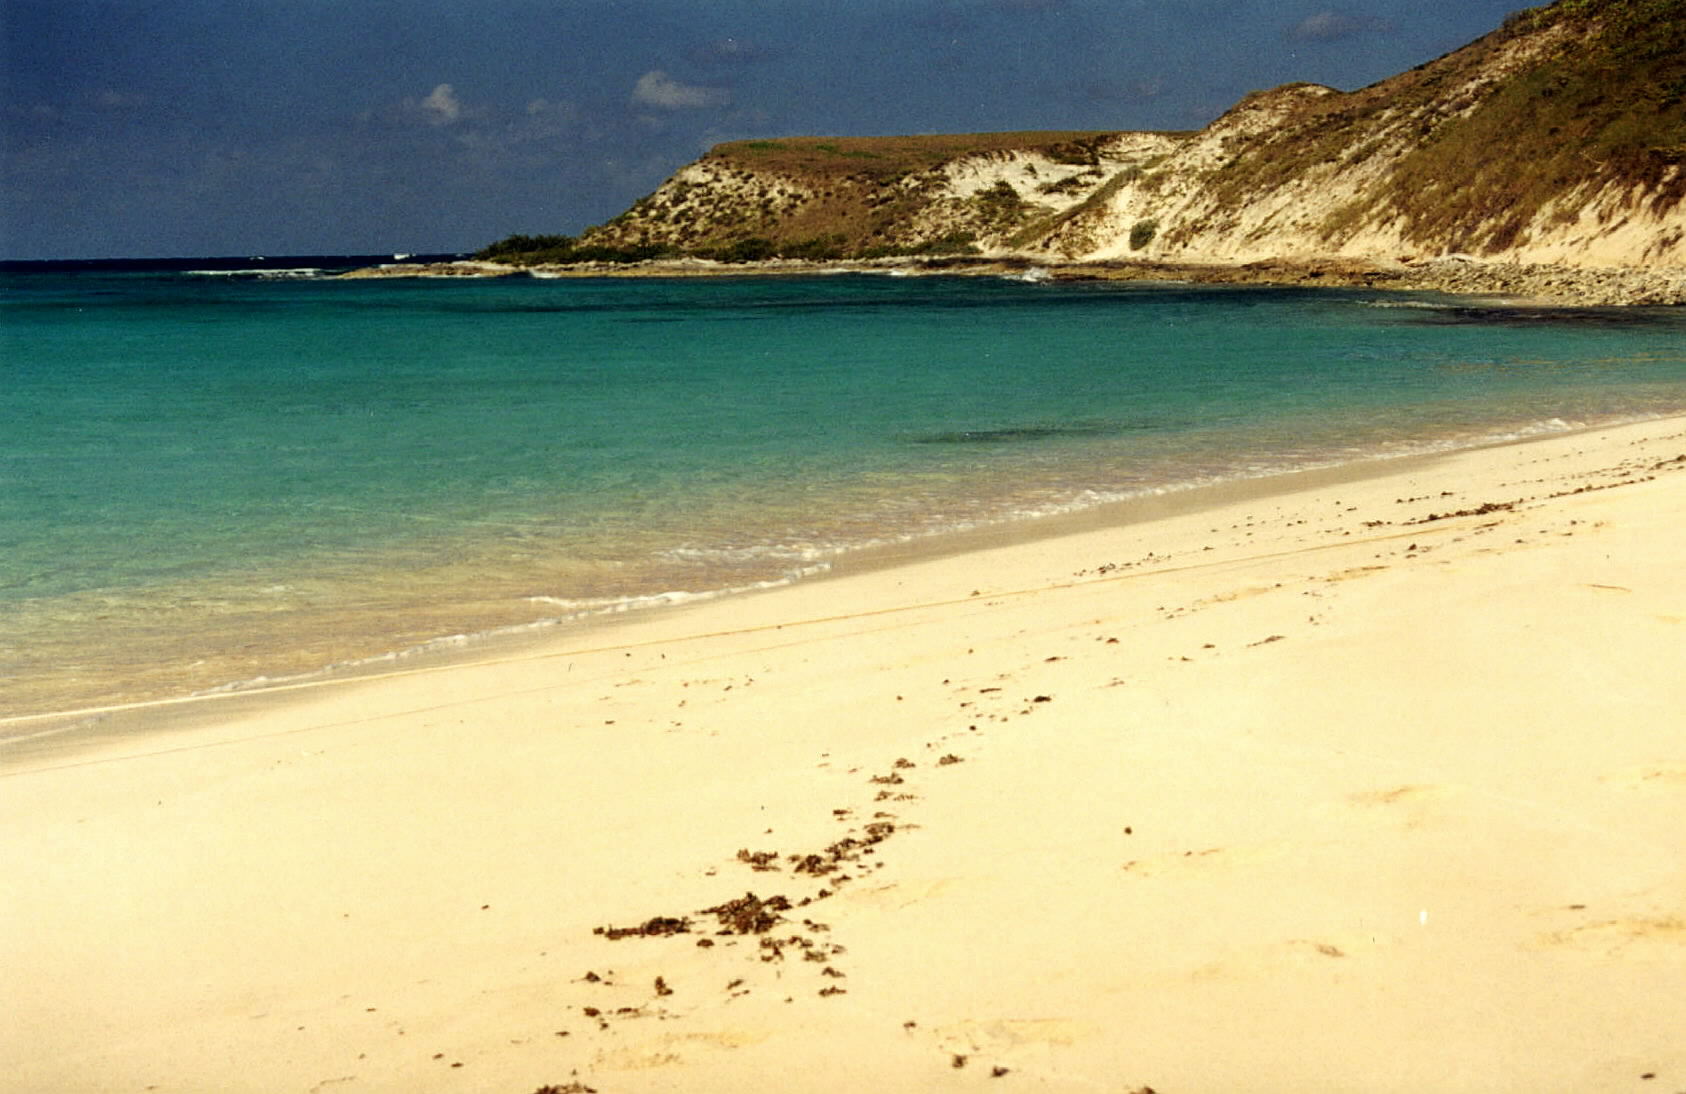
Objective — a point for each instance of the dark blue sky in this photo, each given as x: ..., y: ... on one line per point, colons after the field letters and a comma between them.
x: 152, y: 128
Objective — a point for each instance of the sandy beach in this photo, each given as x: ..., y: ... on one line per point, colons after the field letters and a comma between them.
x: 1319, y: 785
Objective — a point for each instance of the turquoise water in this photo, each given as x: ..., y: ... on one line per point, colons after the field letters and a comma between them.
x: 210, y: 479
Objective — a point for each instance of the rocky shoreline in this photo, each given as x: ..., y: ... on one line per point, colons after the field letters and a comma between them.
x: 1613, y: 287
x: 1495, y: 282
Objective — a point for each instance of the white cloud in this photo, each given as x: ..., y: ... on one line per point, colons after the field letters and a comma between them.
x: 657, y: 88
x: 118, y: 100
x: 544, y: 119
x: 548, y: 108
x: 442, y: 107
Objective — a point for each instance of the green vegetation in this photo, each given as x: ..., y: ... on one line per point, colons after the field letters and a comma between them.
x: 848, y: 153
x: 1071, y: 184
x: 816, y: 249
x: 1000, y: 206
x: 1317, y: 129
x: 762, y: 249
x: 894, y: 158
x: 1609, y: 108
x: 1142, y: 233
x: 1078, y: 152
x: 522, y: 250
x: 954, y: 243
x: 1479, y: 160
x: 1626, y: 13
x: 522, y: 244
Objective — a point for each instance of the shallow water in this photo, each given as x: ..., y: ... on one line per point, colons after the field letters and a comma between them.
x: 210, y: 479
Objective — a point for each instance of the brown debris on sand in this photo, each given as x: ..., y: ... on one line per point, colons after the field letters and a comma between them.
x: 759, y: 861
x: 656, y: 927
x: 1479, y: 511
x: 847, y: 849
x: 749, y: 914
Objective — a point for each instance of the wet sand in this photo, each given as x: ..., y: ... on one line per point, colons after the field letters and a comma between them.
x: 1370, y: 785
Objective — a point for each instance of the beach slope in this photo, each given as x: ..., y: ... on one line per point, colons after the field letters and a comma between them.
x: 1330, y: 785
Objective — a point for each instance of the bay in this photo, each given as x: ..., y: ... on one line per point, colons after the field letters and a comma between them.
x: 209, y: 479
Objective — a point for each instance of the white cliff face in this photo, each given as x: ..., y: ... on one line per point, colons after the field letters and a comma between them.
x: 1328, y: 206
x: 1299, y: 173
x: 1053, y: 192
x: 1047, y: 190
x: 1167, y: 212
x: 716, y: 199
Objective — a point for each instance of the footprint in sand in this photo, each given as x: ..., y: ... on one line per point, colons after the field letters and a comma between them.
x: 1412, y: 806
x: 901, y: 894
x: 996, y: 1036
x: 999, y: 1047
x: 1637, y: 937
x: 1660, y: 776
x: 670, y: 1049
x: 1234, y: 595
x: 1204, y: 862
x: 1326, y: 953
x: 1354, y: 573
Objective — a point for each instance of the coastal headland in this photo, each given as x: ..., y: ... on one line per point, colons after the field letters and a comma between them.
x: 1542, y: 162
x: 1370, y: 781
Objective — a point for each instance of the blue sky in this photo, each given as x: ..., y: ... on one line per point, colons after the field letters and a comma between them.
x: 150, y: 128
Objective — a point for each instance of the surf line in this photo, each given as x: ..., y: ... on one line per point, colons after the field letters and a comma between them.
x: 812, y: 621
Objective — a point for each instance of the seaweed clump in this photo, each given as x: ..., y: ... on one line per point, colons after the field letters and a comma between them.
x: 656, y: 927
x: 749, y: 914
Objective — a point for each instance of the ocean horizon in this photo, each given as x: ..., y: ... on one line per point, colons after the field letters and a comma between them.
x: 221, y: 473
x: 251, y: 265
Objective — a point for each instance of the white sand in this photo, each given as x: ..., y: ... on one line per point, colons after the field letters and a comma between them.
x: 1289, y: 800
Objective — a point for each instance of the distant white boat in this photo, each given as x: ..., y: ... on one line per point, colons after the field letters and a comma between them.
x: 399, y: 256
